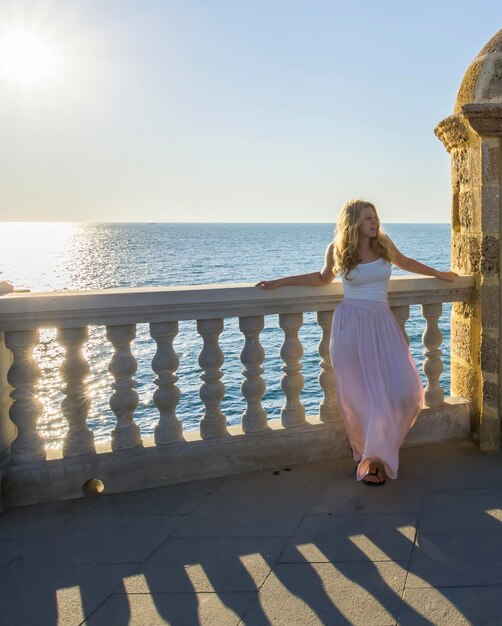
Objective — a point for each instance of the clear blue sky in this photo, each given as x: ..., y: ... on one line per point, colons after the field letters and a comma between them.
x: 264, y: 110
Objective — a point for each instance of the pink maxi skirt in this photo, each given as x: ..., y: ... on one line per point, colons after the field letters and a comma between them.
x: 378, y: 388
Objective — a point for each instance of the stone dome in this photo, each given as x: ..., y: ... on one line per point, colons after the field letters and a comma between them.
x: 482, y: 83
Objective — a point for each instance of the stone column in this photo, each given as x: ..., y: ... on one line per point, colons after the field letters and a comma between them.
x: 475, y: 249
x: 472, y: 136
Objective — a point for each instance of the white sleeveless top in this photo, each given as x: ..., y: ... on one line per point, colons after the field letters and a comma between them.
x: 368, y: 281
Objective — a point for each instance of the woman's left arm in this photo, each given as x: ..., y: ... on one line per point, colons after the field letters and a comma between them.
x: 411, y: 265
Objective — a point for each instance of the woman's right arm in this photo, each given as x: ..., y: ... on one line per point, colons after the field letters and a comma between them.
x: 314, y: 279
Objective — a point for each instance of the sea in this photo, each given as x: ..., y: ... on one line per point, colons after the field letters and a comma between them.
x: 71, y: 256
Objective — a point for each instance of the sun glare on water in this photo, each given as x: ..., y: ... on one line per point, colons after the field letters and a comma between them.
x: 36, y: 255
x: 28, y: 58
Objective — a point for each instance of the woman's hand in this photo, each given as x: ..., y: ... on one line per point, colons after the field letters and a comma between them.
x: 270, y: 284
x: 449, y: 276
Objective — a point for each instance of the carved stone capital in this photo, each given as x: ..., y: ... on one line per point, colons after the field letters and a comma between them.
x: 453, y: 131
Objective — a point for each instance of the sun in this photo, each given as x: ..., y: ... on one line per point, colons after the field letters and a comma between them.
x: 28, y: 58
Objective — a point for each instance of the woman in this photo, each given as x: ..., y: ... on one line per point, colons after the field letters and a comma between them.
x: 377, y: 384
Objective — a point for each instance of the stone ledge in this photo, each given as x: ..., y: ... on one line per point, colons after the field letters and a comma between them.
x: 155, y: 466
x: 484, y: 118
x: 25, y: 311
x: 448, y: 422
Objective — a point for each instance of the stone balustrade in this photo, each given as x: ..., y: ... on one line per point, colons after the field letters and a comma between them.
x: 33, y: 474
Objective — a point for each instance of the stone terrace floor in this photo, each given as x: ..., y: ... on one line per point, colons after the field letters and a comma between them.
x: 302, y: 545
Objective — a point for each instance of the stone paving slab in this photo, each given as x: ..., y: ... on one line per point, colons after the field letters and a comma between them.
x: 458, y: 466
x: 245, y: 520
x: 30, y: 523
x: 345, y: 498
x: 456, y: 559
x: 12, y: 549
x: 447, y: 511
x: 173, y: 500
x: 287, y: 480
x: 336, y: 538
x: 324, y: 593
x: 32, y: 593
x: 101, y: 539
x: 226, y: 564
x: 179, y: 609
x: 453, y: 606
x: 257, y: 504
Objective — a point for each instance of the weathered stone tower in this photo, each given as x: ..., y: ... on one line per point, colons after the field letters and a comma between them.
x: 472, y: 136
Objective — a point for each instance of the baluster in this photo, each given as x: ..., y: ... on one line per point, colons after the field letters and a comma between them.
x: 167, y: 395
x: 23, y: 375
x: 402, y: 314
x: 124, y: 401
x: 328, y: 407
x: 75, y: 407
x: 433, y: 365
x: 254, y: 418
x: 293, y: 412
x: 212, y: 390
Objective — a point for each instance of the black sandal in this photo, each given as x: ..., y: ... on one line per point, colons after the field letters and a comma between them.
x: 371, y: 483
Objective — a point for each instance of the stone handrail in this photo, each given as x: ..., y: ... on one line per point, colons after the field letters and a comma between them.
x: 30, y: 475
x: 67, y: 309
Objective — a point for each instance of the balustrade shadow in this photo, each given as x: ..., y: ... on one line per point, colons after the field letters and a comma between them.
x: 440, y: 576
x: 344, y: 568
x: 377, y: 558
x: 348, y: 586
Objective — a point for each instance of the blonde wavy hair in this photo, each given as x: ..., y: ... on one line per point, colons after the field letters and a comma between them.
x: 347, y: 237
